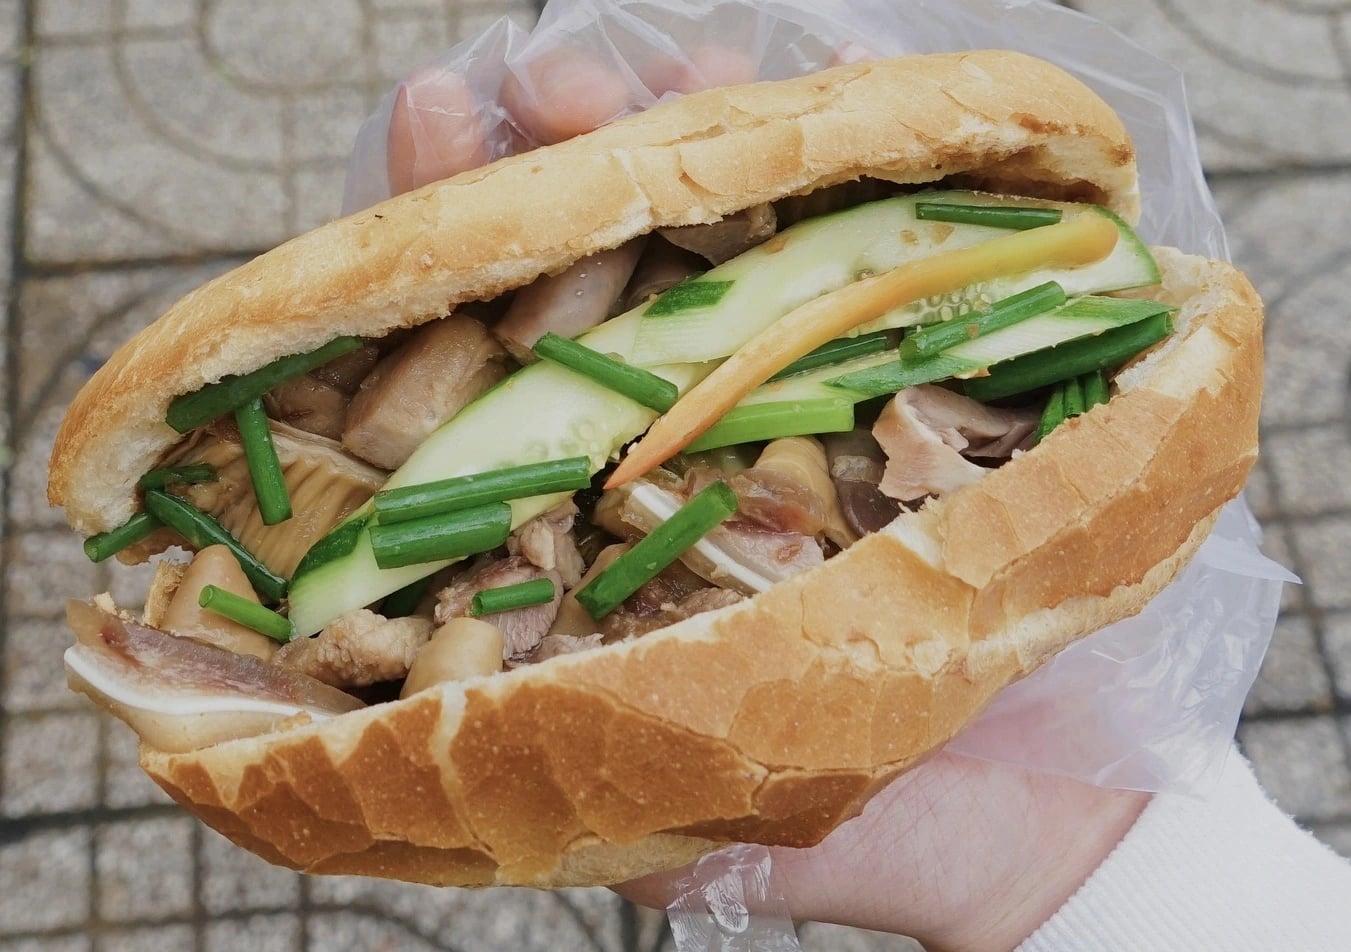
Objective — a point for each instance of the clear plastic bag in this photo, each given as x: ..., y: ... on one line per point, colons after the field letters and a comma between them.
x: 1149, y: 703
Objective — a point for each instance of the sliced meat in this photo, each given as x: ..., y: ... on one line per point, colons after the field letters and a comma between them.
x: 179, y: 694
x: 630, y: 622
x: 572, y: 619
x: 857, y: 464
x: 554, y: 645
x: 522, y: 629
x: 310, y: 404
x: 662, y: 266
x: 834, y: 198
x: 431, y: 377
x: 927, y: 432
x: 734, y: 555
x: 567, y: 303
x: 358, y: 649
x: 346, y: 373
x: 325, y: 484
x: 183, y: 616
x: 547, y: 542
x: 723, y: 240
x: 798, y: 465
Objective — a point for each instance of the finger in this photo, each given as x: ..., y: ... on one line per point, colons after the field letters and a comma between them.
x: 564, y: 93
x: 851, y: 52
x: 705, y: 67
x: 434, y: 130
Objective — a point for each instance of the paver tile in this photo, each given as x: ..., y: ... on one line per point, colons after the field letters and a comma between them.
x: 50, y: 763
x: 62, y: 943
x: 276, y: 933
x: 34, y: 676
x: 125, y: 784
x: 1292, y: 677
x: 170, y: 938
x: 1325, y: 554
x: 144, y: 868
x: 1337, y: 640
x: 44, y: 881
x: 234, y: 879
x: 1301, y: 762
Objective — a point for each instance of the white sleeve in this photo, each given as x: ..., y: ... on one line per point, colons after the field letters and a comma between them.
x: 1230, y: 872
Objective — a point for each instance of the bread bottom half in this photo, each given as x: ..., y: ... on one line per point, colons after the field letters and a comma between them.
x: 775, y: 719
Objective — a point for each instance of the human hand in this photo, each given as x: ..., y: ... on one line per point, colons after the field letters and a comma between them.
x: 957, y: 852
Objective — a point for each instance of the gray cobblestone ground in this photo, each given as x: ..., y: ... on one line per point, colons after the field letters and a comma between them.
x: 148, y: 144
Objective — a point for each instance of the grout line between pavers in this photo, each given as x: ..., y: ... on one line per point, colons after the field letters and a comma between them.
x: 18, y: 216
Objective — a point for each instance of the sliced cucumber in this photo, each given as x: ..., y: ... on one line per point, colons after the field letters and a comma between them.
x: 539, y: 413
x: 1080, y: 318
x: 750, y: 292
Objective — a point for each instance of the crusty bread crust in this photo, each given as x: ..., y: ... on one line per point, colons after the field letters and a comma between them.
x: 774, y: 719
x: 998, y: 120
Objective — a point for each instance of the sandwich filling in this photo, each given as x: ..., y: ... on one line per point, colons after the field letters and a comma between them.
x: 383, y: 516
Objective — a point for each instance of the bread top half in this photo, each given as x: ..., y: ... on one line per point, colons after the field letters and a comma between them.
x: 987, y: 119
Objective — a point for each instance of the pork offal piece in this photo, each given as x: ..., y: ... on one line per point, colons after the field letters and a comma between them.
x: 522, y: 628
x: 857, y: 465
x: 547, y: 542
x: 358, y: 649
x: 310, y: 404
x: 431, y: 377
x: 325, y: 484
x: 928, y: 432
x: 728, y: 237
x: 570, y: 302
x: 179, y: 694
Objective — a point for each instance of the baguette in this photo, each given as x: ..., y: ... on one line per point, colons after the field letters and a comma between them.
x: 774, y: 719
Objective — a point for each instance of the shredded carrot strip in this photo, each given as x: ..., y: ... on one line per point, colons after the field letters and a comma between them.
x: 1081, y: 240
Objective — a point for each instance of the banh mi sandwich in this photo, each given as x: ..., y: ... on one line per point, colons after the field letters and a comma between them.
x: 678, y: 484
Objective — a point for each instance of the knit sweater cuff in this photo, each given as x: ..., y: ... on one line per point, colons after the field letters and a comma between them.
x: 1228, y: 872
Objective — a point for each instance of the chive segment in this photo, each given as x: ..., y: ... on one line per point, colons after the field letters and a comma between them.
x: 835, y: 352
x: 462, y: 492
x: 507, y: 598
x: 1017, y: 217
x: 444, y: 536
x: 770, y: 421
x: 1040, y: 369
x: 239, y: 609
x: 658, y: 549
x: 639, y: 385
x: 934, y: 338
x: 690, y: 294
x: 177, y: 476
x: 201, y: 530
x: 214, y: 400
x: 405, y: 601
x: 1052, y: 416
x: 269, y: 484
x: 1074, y: 397
x: 1095, y: 389
x: 105, y: 544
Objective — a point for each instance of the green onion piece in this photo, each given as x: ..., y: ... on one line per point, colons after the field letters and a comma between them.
x: 269, y: 485
x: 104, y: 544
x: 658, y: 549
x: 192, y: 410
x: 689, y: 295
x: 1052, y: 416
x: 1020, y: 218
x: 177, y: 475
x: 340, y: 542
x: 769, y: 421
x: 653, y: 392
x: 1074, y: 397
x: 1045, y: 367
x: 899, y: 374
x: 436, y: 538
x: 405, y: 601
x: 959, y: 330
x: 1095, y: 389
x: 500, y: 485
x: 239, y: 609
x: 835, y: 352
x: 201, y: 531
x: 510, y: 597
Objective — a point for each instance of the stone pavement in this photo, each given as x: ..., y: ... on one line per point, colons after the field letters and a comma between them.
x: 148, y: 144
